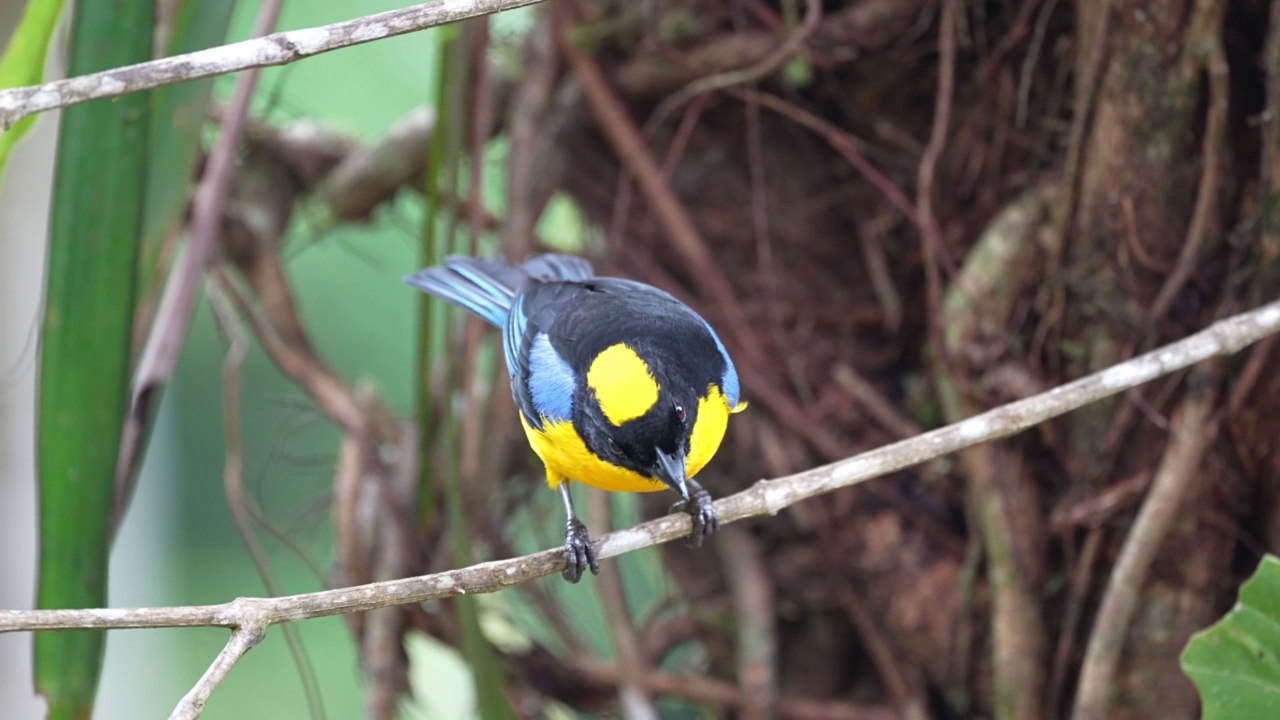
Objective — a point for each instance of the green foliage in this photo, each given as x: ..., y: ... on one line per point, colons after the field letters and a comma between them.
x: 1235, y: 664
x: 23, y: 62
x: 84, y: 363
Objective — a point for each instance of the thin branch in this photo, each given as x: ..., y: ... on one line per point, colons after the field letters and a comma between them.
x: 930, y: 229
x: 786, y: 50
x: 277, y: 49
x: 629, y: 145
x: 711, y: 690
x: 1208, y: 26
x: 242, y: 641
x: 753, y: 602
x: 238, y: 501
x: 1194, y: 431
x: 633, y: 699
x: 766, y: 497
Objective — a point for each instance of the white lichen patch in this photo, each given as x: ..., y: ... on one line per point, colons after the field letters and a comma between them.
x: 1269, y: 318
x: 974, y: 428
x: 372, y: 31
x: 1125, y: 375
x: 624, y: 541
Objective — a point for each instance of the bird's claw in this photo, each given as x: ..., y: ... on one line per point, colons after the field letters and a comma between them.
x: 705, y: 519
x: 579, y: 553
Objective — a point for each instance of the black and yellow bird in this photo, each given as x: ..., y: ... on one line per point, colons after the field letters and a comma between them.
x: 619, y: 384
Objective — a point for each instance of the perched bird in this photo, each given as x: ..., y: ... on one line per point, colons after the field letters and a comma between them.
x: 620, y: 385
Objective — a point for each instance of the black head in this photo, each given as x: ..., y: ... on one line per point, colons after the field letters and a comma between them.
x: 636, y: 414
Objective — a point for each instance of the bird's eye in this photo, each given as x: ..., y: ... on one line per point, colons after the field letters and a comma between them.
x: 680, y: 411
x: 613, y: 448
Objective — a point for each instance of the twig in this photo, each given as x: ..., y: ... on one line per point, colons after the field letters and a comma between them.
x: 383, y: 659
x: 873, y: 402
x: 1207, y: 34
x: 930, y: 229
x: 633, y: 698
x: 277, y: 49
x: 242, y: 641
x: 710, y: 690
x: 980, y: 301
x: 627, y: 142
x: 233, y: 478
x: 765, y: 497
x: 789, y: 46
x: 842, y: 142
x: 1094, y: 510
x: 527, y: 186
x: 1092, y: 51
x: 903, y: 685
x: 753, y: 603
x: 1195, y: 428
x: 1077, y: 595
x: 370, y: 174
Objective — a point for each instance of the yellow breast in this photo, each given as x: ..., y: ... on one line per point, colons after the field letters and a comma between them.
x: 566, y: 456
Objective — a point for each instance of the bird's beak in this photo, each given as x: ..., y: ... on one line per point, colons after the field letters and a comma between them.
x: 671, y: 472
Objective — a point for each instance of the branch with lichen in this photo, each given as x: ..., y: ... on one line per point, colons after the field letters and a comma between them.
x: 276, y: 49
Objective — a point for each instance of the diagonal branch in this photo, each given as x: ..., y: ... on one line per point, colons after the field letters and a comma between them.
x: 244, y: 639
x: 277, y: 49
x: 766, y: 497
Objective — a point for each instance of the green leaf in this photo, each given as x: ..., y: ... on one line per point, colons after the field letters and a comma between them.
x: 84, y: 363
x: 23, y: 62
x: 1235, y: 663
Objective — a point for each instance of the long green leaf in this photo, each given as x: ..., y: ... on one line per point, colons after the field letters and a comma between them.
x: 84, y: 363
x: 1235, y: 664
x: 23, y: 62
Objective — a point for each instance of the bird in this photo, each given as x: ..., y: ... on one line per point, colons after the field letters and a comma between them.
x: 619, y: 385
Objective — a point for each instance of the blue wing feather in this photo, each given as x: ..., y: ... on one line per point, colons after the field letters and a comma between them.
x: 551, y: 381
x: 513, y: 334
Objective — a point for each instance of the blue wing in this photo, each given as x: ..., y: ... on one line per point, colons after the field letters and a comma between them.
x: 551, y: 382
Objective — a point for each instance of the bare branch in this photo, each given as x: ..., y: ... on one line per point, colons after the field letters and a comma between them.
x: 277, y: 49
x: 1195, y: 427
x: 766, y: 497
x: 242, y: 641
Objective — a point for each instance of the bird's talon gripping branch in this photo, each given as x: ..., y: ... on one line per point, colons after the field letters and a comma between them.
x: 705, y: 519
x: 579, y: 553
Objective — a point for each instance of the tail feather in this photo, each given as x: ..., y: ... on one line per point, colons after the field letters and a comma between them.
x: 549, y: 268
x: 488, y: 287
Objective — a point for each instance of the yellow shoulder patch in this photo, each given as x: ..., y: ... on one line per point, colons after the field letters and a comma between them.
x: 623, y: 384
x: 708, y: 429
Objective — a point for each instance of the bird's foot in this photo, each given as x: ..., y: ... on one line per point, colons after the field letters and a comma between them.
x: 579, y: 553
x: 705, y: 519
